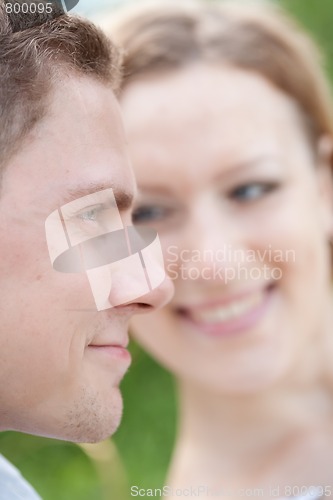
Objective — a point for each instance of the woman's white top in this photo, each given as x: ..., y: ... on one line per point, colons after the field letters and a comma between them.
x: 314, y: 495
x: 306, y: 497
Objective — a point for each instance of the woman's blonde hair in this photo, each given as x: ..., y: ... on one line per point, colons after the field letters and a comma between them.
x: 255, y: 36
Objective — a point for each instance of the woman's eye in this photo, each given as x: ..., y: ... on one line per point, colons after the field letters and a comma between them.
x: 148, y: 213
x: 253, y: 191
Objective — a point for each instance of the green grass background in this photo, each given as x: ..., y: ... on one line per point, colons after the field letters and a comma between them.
x: 140, y: 451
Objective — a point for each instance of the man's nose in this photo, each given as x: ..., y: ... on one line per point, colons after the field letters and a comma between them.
x: 156, y: 298
x: 138, y: 278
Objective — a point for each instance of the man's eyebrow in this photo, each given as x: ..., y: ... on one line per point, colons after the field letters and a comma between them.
x: 124, y: 199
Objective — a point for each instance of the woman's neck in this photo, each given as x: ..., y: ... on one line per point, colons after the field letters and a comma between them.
x: 239, y: 435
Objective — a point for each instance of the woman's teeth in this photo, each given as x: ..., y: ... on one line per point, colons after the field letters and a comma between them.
x: 228, y: 312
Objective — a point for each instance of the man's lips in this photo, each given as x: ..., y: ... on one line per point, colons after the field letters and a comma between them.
x: 121, y: 343
x: 111, y: 352
x: 114, y: 346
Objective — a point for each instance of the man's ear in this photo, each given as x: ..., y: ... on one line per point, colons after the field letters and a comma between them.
x: 325, y: 180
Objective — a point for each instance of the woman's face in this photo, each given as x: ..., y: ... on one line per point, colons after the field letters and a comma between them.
x: 242, y: 206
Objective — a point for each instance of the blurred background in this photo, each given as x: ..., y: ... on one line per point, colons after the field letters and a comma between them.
x: 140, y: 451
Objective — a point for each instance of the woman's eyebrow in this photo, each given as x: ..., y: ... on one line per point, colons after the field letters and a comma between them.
x: 255, y: 161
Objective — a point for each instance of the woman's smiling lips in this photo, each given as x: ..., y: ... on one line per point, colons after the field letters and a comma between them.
x: 234, y: 314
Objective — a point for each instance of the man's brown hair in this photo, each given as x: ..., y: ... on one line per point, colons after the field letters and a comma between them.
x: 36, y: 50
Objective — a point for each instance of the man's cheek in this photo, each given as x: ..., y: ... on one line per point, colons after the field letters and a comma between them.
x: 122, y: 263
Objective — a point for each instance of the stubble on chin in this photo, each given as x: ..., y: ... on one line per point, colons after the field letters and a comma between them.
x: 92, y: 418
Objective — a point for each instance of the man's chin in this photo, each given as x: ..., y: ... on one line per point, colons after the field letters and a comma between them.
x: 107, y: 421
x: 94, y: 420
x: 90, y: 418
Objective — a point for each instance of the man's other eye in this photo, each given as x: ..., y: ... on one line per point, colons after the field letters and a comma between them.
x: 252, y: 191
x: 150, y: 213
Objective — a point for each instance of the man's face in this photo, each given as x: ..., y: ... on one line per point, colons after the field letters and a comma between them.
x: 62, y: 360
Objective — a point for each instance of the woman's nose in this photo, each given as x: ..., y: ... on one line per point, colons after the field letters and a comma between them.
x: 209, y: 249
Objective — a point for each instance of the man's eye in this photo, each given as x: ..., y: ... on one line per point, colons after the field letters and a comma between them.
x: 151, y: 213
x: 90, y: 215
x: 253, y: 191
